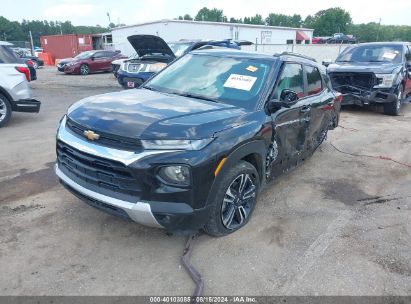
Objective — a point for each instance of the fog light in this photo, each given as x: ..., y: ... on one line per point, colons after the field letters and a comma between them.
x: 179, y: 175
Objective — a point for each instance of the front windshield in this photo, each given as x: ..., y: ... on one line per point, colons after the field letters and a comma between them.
x: 179, y: 48
x: 84, y: 55
x: 235, y: 81
x: 372, y: 53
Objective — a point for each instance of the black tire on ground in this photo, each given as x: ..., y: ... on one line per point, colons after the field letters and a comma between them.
x: 393, y: 108
x: 215, y: 226
x: 5, y: 110
x: 84, y: 69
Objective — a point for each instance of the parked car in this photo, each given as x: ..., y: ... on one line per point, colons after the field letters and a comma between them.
x: 340, y: 38
x: 192, y: 147
x: 91, y: 62
x: 377, y: 72
x: 36, y: 61
x: 153, y: 54
x: 115, y: 65
x: 15, y: 93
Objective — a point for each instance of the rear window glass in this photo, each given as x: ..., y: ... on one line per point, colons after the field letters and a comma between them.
x: 314, y: 80
x: 7, y: 55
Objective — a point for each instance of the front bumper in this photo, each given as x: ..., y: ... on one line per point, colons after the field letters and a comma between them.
x: 366, y: 98
x: 132, y: 80
x: 163, y: 210
x: 139, y: 212
x: 27, y: 106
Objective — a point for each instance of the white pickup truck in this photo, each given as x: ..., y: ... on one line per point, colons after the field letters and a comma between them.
x: 15, y: 92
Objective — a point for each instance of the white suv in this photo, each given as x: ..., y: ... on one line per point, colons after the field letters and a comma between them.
x: 15, y: 93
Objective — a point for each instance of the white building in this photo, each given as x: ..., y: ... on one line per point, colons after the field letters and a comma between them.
x: 174, y: 30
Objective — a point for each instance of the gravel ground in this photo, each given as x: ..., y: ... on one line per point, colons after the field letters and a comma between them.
x: 338, y: 225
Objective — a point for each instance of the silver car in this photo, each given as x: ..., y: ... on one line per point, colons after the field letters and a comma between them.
x: 15, y: 92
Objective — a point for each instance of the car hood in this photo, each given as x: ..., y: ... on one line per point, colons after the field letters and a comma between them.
x: 375, y: 67
x: 145, y: 114
x: 149, y: 44
x: 66, y: 60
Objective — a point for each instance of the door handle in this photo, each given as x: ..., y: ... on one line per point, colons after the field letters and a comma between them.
x: 305, y: 109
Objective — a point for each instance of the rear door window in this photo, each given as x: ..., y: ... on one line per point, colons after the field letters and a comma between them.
x: 314, y: 80
x: 291, y: 79
x: 7, y: 55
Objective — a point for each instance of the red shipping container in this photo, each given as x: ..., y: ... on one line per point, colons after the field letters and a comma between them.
x: 66, y: 46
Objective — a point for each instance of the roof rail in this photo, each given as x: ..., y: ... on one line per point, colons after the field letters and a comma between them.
x: 295, y: 55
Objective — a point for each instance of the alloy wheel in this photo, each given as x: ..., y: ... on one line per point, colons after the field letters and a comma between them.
x: 3, y: 110
x: 84, y: 69
x: 238, y: 201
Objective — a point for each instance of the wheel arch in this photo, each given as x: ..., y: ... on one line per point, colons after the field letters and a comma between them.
x: 253, y: 152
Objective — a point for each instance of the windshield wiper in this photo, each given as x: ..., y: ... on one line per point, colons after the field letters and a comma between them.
x: 150, y: 88
x: 189, y: 95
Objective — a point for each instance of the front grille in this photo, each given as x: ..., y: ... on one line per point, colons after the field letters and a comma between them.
x: 107, y: 140
x: 100, y: 173
x: 348, y: 82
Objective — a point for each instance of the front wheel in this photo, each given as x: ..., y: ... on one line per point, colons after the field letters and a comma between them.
x: 84, y: 69
x: 393, y: 108
x: 5, y: 110
x: 234, y: 201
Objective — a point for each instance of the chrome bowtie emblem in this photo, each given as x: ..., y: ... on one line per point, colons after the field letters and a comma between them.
x: 90, y: 135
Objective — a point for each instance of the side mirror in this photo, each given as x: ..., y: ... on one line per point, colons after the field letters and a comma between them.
x: 409, y: 70
x: 92, y: 58
x: 327, y: 62
x: 288, y: 97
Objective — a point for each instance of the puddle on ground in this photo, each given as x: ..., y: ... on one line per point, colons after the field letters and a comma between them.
x: 27, y: 184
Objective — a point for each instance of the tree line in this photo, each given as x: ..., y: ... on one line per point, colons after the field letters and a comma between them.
x: 324, y: 22
x: 16, y: 31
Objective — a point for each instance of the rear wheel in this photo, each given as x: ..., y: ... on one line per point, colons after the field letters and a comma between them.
x: 234, y: 201
x: 84, y: 69
x: 393, y: 108
x: 5, y: 110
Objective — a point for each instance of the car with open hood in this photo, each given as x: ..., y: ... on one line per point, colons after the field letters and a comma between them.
x: 374, y: 73
x: 192, y: 147
x: 153, y: 54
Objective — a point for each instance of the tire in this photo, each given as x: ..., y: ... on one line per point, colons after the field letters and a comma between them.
x: 5, y: 110
x: 35, y: 64
x: 84, y: 69
x: 228, y: 205
x: 393, y: 108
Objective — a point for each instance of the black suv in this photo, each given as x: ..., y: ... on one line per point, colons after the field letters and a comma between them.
x: 377, y: 72
x: 191, y: 148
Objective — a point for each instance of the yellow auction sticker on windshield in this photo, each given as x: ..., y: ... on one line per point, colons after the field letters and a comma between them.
x: 251, y: 68
x: 240, y: 82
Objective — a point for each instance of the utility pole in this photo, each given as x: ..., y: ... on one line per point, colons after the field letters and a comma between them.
x: 5, y: 36
x: 378, y: 31
x: 31, y: 44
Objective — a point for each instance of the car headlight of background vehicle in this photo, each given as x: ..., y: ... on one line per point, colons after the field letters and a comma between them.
x: 177, y: 144
x: 175, y: 175
x: 385, y: 80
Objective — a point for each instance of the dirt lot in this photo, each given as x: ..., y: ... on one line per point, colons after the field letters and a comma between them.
x: 338, y: 225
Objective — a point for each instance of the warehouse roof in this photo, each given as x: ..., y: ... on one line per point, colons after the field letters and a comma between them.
x: 215, y: 23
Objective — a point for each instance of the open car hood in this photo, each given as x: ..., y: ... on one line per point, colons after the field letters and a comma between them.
x: 150, y: 44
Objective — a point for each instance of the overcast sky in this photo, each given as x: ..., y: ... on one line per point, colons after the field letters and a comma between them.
x: 92, y: 12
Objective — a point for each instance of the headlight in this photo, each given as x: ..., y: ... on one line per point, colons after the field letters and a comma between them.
x: 166, y: 144
x: 385, y: 80
x: 178, y: 174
